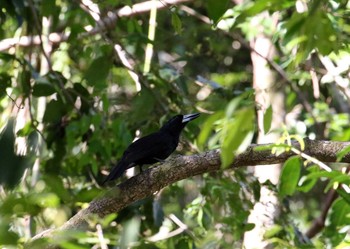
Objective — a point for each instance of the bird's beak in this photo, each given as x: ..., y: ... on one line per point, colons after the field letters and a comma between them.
x: 188, y: 117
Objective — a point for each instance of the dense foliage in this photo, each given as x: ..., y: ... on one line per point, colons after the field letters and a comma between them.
x: 80, y: 89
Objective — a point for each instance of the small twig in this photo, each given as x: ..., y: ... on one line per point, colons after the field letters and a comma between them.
x: 101, y: 239
x: 182, y: 227
x: 319, y: 163
x: 127, y: 64
x: 311, y: 159
x: 14, y: 102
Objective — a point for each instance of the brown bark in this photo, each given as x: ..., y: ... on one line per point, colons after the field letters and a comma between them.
x: 181, y: 167
x: 268, y: 93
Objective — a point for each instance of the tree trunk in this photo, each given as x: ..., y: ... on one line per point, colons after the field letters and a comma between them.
x: 267, y: 93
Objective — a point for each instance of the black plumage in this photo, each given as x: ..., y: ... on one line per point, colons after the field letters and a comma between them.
x: 152, y: 148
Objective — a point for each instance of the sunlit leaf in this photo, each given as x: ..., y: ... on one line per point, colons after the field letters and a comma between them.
x: 344, y: 194
x: 340, y: 179
x: 340, y: 213
x: 216, y: 9
x: 176, y: 22
x: 342, y: 153
x: 234, y: 133
x: 208, y: 128
x: 289, y: 176
x: 273, y: 231
x: 338, y: 219
x: 305, y: 183
x: 268, y: 119
x: 7, y: 237
x: 264, y: 147
x: 45, y: 199
x: 325, y: 174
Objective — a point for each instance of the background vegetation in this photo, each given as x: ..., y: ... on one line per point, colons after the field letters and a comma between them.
x: 80, y: 80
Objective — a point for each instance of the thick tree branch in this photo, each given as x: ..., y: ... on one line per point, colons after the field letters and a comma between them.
x: 181, y: 167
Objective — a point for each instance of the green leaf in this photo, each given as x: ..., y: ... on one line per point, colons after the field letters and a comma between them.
x: 207, y: 128
x: 249, y: 226
x: 326, y: 174
x: 305, y: 183
x: 44, y: 200
x: 55, y: 184
x: 232, y: 106
x: 176, y: 22
x: 342, y: 153
x: 86, y: 195
x: 256, y: 7
x: 12, y: 166
x: 24, y: 80
x: 234, y: 133
x: 43, y: 87
x: 143, y: 104
x: 26, y: 130
x: 294, y: 25
x: 98, y: 71
x: 18, y: 205
x: 200, y: 217
x: 264, y: 147
x: 55, y: 109
x: 8, y: 237
x: 216, y: 9
x: 7, y: 57
x: 339, y: 214
x: 79, y: 88
x: 5, y: 82
x: 340, y: 179
x: 273, y: 231
x: 49, y: 8
x: 344, y: 195
x: 290, y: 176
x: 268, y: 119
x: 308, y: 32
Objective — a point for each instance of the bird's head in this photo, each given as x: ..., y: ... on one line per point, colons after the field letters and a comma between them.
x: 178, y: 122
x: 188, y: 117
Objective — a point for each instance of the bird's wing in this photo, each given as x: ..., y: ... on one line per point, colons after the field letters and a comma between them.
x: 117, y: 171
x: 150, y: 146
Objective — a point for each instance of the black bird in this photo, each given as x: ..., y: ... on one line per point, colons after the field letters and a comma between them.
x: 152, y: 148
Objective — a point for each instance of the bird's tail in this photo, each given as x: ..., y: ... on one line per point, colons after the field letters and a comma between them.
x: 116, y: 172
